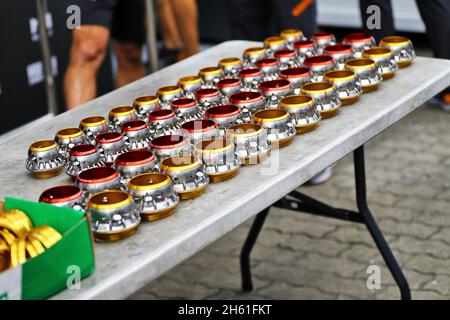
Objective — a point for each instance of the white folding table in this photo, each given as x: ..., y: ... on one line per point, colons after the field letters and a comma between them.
x: 125, y: 266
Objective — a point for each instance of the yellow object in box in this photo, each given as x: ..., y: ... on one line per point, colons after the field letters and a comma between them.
x: 19, y: 241
x: 15, y: 221
x: 44, y: 255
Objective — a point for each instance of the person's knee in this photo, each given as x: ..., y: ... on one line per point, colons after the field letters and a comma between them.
x: 88, y: 48
x: 128, y: 54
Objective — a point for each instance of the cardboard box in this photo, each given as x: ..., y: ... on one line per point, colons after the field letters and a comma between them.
x: 60, y: 267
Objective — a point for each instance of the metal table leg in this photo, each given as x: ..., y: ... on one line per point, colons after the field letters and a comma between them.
x: 305, y: 204
x: 247, y: 284
x: 372, y: 226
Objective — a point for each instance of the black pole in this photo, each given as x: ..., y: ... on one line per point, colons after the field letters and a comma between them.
x: 52, y: 104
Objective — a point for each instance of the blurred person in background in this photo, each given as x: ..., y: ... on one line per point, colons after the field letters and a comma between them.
x: 121, y: 20
x: 258, y: 19
x: 124, y: 22
x: 178, y: 21
x: 436, y: 16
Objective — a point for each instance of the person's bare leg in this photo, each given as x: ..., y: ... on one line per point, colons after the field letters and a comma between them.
x: 169, y: 28
x: 186, y: 17
x: 129, y: 63
x: 86, y: 55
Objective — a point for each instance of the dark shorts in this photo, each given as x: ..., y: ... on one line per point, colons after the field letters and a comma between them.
x: 124, y: 18
x: 258, y: 19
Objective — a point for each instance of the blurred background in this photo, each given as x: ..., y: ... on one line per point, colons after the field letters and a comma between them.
x: 23, y: 97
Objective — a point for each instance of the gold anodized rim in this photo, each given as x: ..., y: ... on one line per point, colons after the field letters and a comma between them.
x: 231, y: 132
x: 336, y: 78
x: 291, y: 33
x: 43, y: 145
x: 274, y: 119
x: 158, y: 185
x: 296, y: 101
x: 395, y: 41
x: 169, y: 90
x: 166, y: 167
x: 276, y: 40
x: 377, y: 52
x: 329, y: 87
x: 159, y: 215
x: 189, y: 80
x: 93, y: 121
x: 353, y: 63
x: 210, y: 71
x: 121, y: 111
x: 224, y: 176
x: 229, y: 62
x: 145, y: 100
x: 114, y: 236
x: 192, y: 194
x: 69, y: 133
x: 326, y: 114
x: 108, y: 206
x: 214, y: 151
x: 254, y: 51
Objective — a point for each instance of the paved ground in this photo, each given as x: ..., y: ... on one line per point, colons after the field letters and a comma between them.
x: 304, y: 257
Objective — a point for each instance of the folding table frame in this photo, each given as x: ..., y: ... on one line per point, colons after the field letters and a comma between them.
x: 300, y: 202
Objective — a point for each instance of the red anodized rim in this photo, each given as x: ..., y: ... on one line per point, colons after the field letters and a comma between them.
x: 249, y: 73
x: 321, y: 60
x: 198, y: 126
x: 337, y: 49
x: 161, y: 114
x: 97, y: 175
x: 302, y: 44
x: 83, y: 150
x: 207, y: 93
x: 322, y: 35
x: 135, y: 158
x: 267, y: 62
x: 60, y: 194
x: 228, y: 83
x: 296, y: 72
x: 274, y: 85
x: 109, y: 137
x: 358, y: 37
x: 133, y: 125
x: 246, y: 97
x: 170, y: 141
x: 183, y: 103
x: 223, y: 111
x: 284, y: 53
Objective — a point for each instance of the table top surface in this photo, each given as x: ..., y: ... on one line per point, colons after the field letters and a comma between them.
x: 124, y: 267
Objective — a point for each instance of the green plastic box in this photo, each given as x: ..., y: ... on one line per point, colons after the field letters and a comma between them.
x: 59, y: 267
